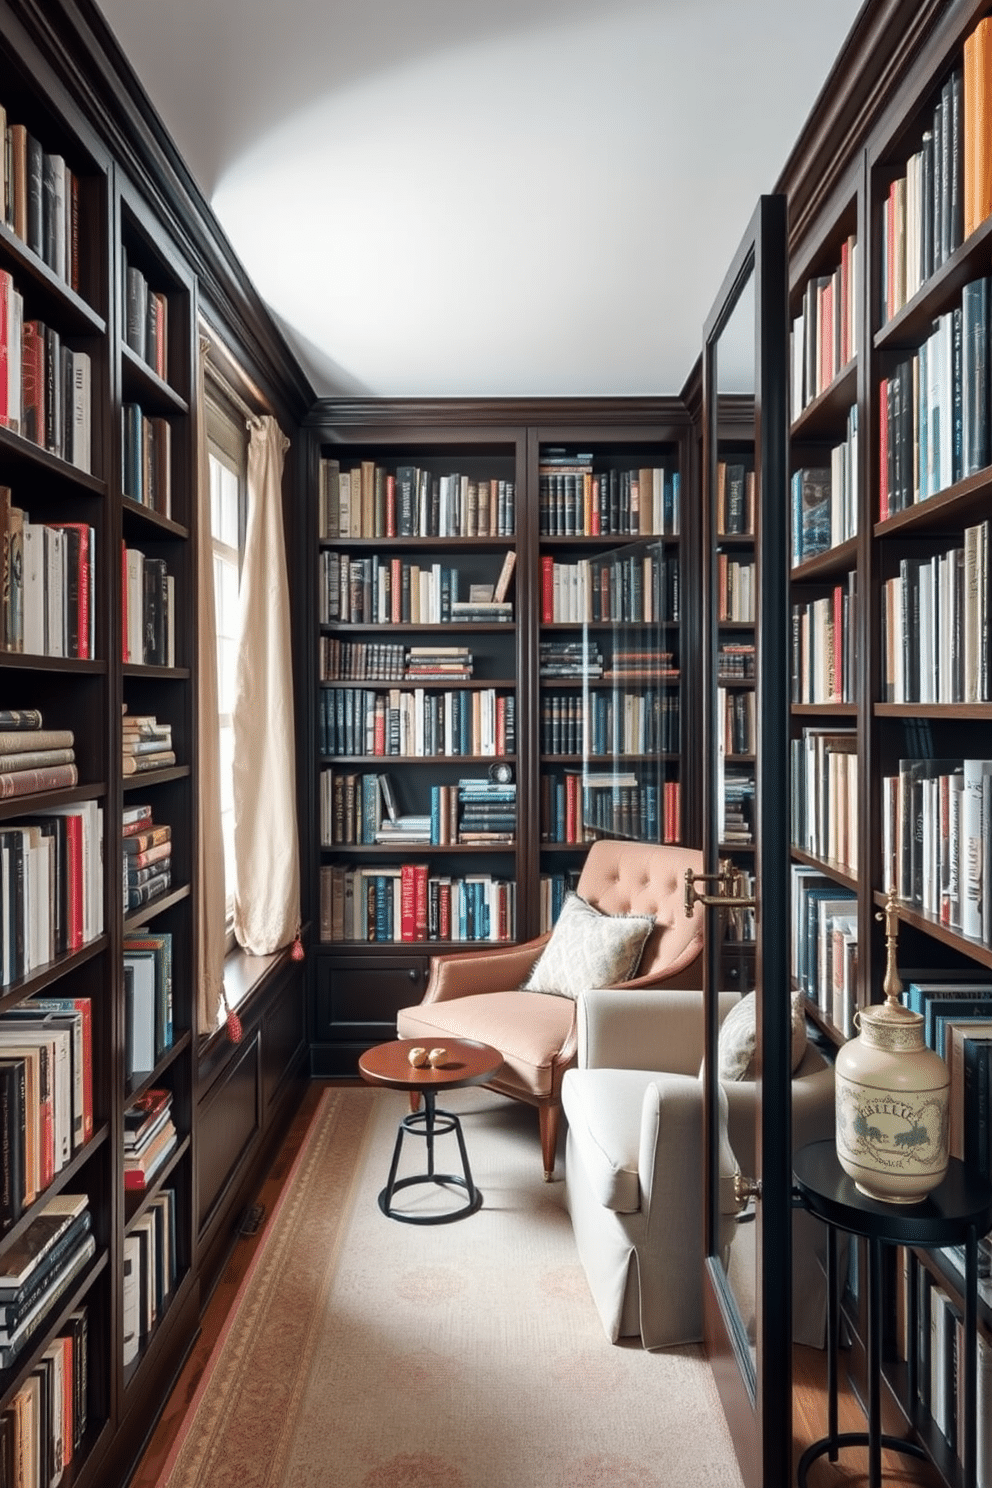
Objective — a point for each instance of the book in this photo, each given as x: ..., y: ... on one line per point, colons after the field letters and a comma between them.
x: 23, y: 1256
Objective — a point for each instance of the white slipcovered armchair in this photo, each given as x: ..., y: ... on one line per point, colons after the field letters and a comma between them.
x: 634, y: 1163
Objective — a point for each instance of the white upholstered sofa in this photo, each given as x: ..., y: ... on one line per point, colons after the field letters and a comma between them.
x: 634, y: 1163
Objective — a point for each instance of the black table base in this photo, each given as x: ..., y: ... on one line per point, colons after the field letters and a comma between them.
x: 428, y: 1124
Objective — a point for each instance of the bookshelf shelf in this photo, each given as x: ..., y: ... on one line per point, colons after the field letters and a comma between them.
x: 818, y: 420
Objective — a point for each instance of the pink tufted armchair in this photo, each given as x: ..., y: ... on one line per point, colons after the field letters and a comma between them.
x: 477, y: 994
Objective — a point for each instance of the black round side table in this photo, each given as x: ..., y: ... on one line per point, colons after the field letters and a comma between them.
x: 957, y: 1212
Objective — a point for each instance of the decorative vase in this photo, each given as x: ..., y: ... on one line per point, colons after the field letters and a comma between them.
x: 892, y: 1097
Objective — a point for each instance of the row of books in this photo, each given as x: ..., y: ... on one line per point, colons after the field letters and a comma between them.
x: 576, y: 501
x: 417, y: 723
x: 45, y: 385
x: 824, y: 333
x: 401, y: 903
x: 146, y: 857
x: 370, y: 591
x: 935, y: 625
x: 824, y: 944
x: 553, y: 889
x: 598, y: 723
x: 43, y: 1427
x: 372, y: 501
x: 922, y: 216
x: 49, y: 585
x: 567, y: 659
x: 735, y: 661
x: 824, y: 804
x: 934, y: 417
x: 825, y: 646
x: 939, y: 1352
x: 148, y: 610
x: 148, y: 999
x: 150, y: 1270
x: 825, y: 499
x: 735, y: 589
x: 146, y: 319
x: 150, y: 1138
x: 39, y: 1267
x: 389, y: 661
x: 937, y: 840
x: 635, y: 589
x: 46, y: 1095
x: 51, y: 886
x: 581, y: 806
x: 360, y: 810
x: 735, y: 719
x: 39, y: 197
x: 146, y: 449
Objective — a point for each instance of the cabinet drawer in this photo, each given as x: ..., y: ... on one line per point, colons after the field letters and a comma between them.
x: 357, y: 998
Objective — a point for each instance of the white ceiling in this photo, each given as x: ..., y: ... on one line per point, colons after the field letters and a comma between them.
x: 485, y: 197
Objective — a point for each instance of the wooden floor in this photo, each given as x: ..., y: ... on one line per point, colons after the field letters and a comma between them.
x: 809, y: 1394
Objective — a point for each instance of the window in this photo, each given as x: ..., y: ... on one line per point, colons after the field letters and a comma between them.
x: 227, y: 452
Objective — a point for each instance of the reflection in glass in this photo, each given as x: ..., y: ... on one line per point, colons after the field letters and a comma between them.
x: 732, y: 519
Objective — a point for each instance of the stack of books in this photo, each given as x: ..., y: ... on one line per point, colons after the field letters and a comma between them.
x: 147, y: 857
x: 580, y: 658
x: 39, y: 1267
x: 33, y: 758
x: 146, y: 743
x: 438, y: 661
x: 149, y: 1137
x: 487, y: 812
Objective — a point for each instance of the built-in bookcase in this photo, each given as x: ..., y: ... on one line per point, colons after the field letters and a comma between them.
x: 891, y: 708
x: 610, y: 651
x: 462, y: 751
x: 155, y: 733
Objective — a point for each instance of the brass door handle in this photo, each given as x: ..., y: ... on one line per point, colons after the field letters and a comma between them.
x: 730, y: 877
x: 746, y: 1188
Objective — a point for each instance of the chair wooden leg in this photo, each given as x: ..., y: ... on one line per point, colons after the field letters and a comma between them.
x: 414, y: 1101
x: 549, y: 1138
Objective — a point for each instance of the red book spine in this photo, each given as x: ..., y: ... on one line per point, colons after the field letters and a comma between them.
x: 74, y: 854
x: 33, y: 382
x: 390, y: 506
x: 571, y: 808
x: 407, y: 919
x: 883, y: 449
x: 421, y: 894
x: 547, y: 590
x: 45, y: 777
x: 444, y: 912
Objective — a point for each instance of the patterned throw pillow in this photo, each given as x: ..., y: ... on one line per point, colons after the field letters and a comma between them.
x: 589, y: 949
x: 736, y: 1044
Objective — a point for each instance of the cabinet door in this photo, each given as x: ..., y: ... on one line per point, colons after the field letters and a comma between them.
x: 748, y: 1310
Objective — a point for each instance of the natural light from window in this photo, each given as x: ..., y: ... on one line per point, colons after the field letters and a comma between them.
x: 225, y: 497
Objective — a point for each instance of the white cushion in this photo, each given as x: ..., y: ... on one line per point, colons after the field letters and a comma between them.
x: 589, y: 949
x: 738, y: 1035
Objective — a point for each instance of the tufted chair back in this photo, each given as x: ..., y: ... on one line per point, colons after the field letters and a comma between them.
x: 639, y: 878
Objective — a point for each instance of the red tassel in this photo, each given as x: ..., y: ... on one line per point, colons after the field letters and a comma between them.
x: 297, y: 953
x: 235, y: 1032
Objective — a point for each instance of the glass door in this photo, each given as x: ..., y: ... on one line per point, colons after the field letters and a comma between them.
x: 746, y: 825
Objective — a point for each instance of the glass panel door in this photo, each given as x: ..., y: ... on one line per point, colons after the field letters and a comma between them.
x: 746, y: 828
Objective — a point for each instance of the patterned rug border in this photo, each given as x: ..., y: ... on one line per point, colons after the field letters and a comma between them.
x: 330, y: 1111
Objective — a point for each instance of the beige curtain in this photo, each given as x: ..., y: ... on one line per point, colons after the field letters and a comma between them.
x: 211, y: 932
x: 267, y: 899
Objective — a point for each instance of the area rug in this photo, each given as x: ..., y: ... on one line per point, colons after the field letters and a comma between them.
x: 367, y: 1353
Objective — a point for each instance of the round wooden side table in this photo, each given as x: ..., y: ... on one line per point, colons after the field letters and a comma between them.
x: 957, y: 1212
x: 466, y: 1063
